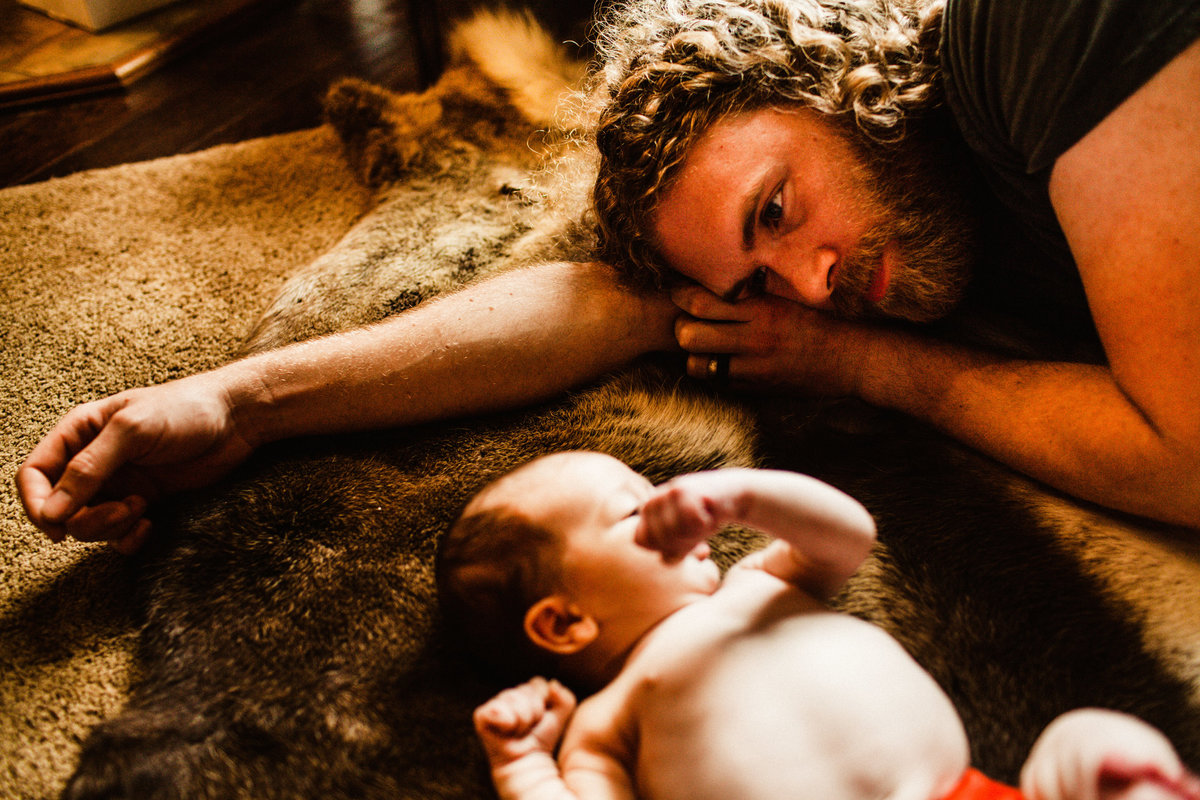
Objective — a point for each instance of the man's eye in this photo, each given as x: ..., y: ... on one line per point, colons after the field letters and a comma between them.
x: 772, y: 213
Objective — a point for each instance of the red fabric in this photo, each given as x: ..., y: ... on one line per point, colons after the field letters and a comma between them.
x: 977, y: 786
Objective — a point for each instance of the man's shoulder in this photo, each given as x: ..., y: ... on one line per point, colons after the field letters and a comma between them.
x: 1026, y: 80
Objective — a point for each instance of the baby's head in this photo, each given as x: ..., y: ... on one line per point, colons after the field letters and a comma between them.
x: 542, y: 574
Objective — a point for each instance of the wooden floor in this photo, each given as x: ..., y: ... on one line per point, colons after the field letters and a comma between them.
x: 264, y: 76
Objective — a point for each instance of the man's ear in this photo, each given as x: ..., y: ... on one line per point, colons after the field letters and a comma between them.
x: 555, y: 624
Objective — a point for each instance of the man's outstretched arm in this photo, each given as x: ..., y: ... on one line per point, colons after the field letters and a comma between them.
x: 514, y: 339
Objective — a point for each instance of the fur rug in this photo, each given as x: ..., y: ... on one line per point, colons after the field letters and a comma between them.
x: 279, y: 638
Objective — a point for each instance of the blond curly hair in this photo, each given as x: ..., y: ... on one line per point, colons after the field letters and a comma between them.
x: 669, y: 69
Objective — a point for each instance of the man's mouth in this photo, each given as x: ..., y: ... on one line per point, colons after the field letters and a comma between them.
x: 883, y: 275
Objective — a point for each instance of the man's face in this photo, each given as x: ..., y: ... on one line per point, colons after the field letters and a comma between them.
x: 776, y: 201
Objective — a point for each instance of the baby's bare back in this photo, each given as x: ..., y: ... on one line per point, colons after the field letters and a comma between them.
x: 761, y: 692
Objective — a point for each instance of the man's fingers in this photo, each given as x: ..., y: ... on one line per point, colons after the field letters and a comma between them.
x: 703, y: 335
x: 87, y: 471
x: 33, y: 487
x: 703, y: 304
x: 45, y: 464
x: 698, y: 367
x: 131, y: 542
x: 106, y: 521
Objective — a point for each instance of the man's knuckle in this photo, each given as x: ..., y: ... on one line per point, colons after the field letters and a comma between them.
x: 130, y: 425
x: 684, y: 327
x: 124, y: 420
x: 81, y: 468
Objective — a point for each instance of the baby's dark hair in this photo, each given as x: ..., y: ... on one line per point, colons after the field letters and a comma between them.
x: 492, y: 566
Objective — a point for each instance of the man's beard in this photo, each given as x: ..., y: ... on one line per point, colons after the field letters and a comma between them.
x: 927, y: 280
x: 930, y: 221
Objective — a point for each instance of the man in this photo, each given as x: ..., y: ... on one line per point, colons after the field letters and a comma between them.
x: 1081, y: 116
x: 1057, y: 104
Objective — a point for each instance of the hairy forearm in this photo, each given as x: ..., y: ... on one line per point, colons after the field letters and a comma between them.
x: 514, y: 339
x: 1069, y: 425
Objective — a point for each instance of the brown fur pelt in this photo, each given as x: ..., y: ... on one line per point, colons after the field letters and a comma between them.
x: 292, y: 648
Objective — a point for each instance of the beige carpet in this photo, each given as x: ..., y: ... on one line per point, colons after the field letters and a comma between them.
x: 111, y: 279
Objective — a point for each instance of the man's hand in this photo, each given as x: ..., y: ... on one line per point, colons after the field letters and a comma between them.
x: 94, y: 474
x: 773, y: 342
x: 525, y: 719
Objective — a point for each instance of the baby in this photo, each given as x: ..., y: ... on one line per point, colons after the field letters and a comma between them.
x: 750, y: 687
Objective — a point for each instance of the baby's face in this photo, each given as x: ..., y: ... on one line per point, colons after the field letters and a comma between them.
x: 593, y: 500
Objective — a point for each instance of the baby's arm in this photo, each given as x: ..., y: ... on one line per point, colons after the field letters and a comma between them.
x: 520, y: 729
x: 1095, y: 754
x: 823, y: 534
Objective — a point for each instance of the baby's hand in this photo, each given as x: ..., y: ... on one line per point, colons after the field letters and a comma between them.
x: 525, y: 719
x: 683, y: 512
x: 1094, y: 754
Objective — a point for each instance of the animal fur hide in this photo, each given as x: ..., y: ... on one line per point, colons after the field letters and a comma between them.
x: 292, y: 648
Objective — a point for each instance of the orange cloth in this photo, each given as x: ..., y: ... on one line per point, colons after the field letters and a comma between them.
x: 977, y: 786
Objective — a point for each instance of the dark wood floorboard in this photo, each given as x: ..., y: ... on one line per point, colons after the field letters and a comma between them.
x: 262, y: 77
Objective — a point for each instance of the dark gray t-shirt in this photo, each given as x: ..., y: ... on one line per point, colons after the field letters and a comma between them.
x: 1027, y: 79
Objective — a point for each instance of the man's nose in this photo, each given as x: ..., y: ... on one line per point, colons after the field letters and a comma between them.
x: 810, y: 275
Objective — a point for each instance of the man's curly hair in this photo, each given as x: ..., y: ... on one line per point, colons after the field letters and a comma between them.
x: 669, y: 69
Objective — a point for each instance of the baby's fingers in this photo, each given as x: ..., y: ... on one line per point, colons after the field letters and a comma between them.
x: 515, y: 711
x: 559, y: 699
x: 655, y: 532
x: 674, y: 520
x: 498, y: 718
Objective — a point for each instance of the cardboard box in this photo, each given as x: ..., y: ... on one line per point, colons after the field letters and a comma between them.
x: 95, y: 15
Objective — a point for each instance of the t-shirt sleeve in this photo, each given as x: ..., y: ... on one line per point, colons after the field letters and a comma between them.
x: 1025, y: 80
x: 1029, y: 78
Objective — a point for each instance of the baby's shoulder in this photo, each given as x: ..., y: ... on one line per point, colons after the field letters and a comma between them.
x: 604, y: 722
x: 748, y: 587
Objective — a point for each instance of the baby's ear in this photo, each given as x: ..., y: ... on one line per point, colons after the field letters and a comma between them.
x: 555, y: 624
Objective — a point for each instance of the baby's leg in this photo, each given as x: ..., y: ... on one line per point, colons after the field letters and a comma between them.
x: 1095, y: 754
